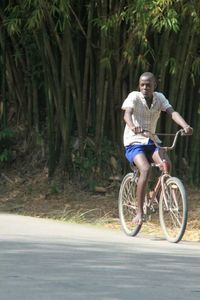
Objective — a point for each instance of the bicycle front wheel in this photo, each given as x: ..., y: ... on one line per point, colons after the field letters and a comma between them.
x: 128, y: 205
x: 173, y: 209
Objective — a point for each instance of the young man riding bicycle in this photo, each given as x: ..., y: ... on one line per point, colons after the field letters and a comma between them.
x: 141, y: 112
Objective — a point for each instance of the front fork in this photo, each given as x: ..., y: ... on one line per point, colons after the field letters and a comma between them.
x: 165, y: 175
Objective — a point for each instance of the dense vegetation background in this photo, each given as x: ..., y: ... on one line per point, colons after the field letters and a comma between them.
x: 66, y: 66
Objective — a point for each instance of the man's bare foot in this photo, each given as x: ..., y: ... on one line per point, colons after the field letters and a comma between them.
x: 138, y: 219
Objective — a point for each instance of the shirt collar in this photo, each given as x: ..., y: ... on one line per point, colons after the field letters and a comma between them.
x: 144, y: 100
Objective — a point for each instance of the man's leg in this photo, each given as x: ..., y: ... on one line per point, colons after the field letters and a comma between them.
x: 159, y: 156
x: 143, y: 166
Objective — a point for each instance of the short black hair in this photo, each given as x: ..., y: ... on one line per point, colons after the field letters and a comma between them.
x: 149, y: 75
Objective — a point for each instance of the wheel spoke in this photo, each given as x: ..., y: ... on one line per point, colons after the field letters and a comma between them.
x: 175, y: 218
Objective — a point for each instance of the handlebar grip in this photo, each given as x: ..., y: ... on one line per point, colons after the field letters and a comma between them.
x: 183, y: 133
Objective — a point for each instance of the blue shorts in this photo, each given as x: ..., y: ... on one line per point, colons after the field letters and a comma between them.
x: 132, y: 150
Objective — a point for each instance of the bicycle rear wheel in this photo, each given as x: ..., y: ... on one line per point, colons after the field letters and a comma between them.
x: 173, y: 210
x: 127, y: 205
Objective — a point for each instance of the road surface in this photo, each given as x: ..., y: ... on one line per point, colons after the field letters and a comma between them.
x: 50, y: 260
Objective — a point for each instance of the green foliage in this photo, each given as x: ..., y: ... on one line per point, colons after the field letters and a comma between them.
x: 6, y: 139
x: 172, y: 63
x: 110, y: 22
x: 61, y: 46
x: 196, y: 66
x: 30, y: 15
x: 54, y: 188
x: 159, y: 14
x: 167, y: 20
x: 92, y: 168
x: 13, y: 20
x: 85, y: 164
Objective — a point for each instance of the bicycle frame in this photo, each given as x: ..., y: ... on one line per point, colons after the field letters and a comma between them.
x: 165, y: 172
x: 159, y: 185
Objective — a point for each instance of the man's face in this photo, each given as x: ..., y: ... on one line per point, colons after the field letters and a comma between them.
x: 146, y: 86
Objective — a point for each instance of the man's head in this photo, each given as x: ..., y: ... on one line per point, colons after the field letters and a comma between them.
x: 147, y: 84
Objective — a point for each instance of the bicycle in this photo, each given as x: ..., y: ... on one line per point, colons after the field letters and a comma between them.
x: 168, y: 197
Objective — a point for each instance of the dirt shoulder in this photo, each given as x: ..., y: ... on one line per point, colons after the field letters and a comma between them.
x: 34, y: 195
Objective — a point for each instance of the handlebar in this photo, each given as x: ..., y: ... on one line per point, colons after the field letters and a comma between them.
x: 181, y: 132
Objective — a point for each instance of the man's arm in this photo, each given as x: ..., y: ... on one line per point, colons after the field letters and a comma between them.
x: 176, y: 117
x: 128, y: 119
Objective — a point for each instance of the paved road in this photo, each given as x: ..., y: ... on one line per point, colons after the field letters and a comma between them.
x: 50, y: 260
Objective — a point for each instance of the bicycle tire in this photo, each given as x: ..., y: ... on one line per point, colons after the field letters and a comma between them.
x: 173, y: 213
x: 127, y: 205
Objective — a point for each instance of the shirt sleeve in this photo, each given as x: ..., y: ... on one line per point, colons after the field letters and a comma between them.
x: 129, y: 101
x: 164, y: 102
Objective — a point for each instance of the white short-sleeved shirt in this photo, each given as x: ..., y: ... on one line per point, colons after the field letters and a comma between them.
x: 143, y: 116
